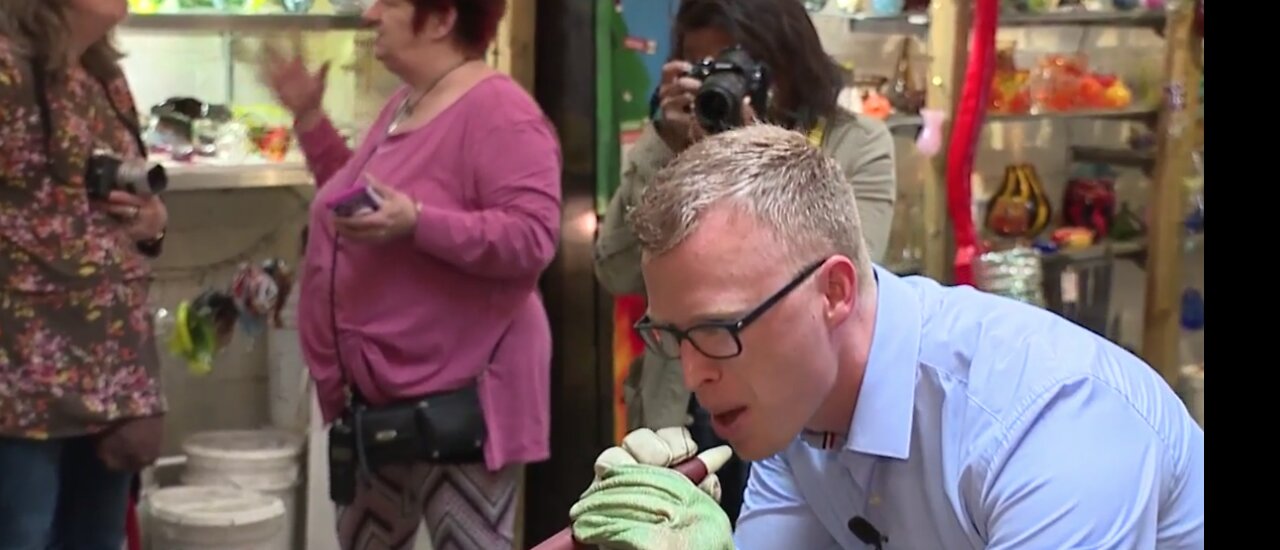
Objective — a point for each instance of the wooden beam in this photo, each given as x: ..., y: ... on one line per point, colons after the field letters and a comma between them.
x: 1165, y: 235
x: 948, y: 43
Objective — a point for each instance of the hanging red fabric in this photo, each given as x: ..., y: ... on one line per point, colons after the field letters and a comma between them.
x: 966, y: 132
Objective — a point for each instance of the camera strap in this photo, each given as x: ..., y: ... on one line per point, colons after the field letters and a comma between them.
x: 818, y: 134
x: 38, y: 83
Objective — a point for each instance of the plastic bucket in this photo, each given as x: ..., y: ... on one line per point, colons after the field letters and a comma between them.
x: 264, y: 461
x: 221, y: 518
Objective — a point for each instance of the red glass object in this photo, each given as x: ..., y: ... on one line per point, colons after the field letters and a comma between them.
x: 1090, y: 202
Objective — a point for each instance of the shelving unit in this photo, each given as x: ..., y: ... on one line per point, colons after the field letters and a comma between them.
x: 1107, y: 249
x: 230, y: 28
x: 912, y: 123
x: 918, y: 23
x: 512, y: 53
x: 196, y: 177
x: 241, y: 23
x: 1138, y: 114
x: 945, y: 28
x: 1145, y: 160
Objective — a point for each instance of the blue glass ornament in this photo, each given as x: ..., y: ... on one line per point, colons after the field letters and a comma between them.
x: 1045, y: 246
x: 887, y: 8
x: 1194, y: 221
x: 1192, y: 310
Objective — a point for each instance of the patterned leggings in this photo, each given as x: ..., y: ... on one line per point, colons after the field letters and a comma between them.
x: 466, y: 507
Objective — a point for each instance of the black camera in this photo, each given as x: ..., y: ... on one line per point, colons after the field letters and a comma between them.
x: 727, y: 80
x: 105, y: 172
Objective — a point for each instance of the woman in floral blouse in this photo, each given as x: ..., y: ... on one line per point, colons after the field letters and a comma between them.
x: 80, y: 401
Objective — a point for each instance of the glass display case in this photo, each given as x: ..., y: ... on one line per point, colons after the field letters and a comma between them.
x: 1102, y: 97
x: 193, y: 66
x: 1068, y: 90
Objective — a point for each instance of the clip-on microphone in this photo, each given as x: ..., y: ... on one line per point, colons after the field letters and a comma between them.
x: 866, y: 532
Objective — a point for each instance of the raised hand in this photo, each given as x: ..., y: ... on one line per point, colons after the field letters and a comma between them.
x: 296, y: 87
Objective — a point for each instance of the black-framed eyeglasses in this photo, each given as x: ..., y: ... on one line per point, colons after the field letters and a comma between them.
x: 714, y: 339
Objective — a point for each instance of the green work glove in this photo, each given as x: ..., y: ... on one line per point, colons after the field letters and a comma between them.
x: 637, y: 503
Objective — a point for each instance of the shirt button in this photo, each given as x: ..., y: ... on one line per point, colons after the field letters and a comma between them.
x: 875, y: 500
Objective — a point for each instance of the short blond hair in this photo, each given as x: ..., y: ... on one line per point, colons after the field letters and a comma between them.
x: 769, y: 173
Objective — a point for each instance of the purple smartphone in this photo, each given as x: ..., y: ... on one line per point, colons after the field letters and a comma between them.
x: 355, y: 200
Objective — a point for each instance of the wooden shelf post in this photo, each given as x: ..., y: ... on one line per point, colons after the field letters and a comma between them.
x: 1177, y: 136
x: 947, y: 47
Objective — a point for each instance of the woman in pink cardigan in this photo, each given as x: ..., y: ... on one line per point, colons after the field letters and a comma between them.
x: 420, y: 319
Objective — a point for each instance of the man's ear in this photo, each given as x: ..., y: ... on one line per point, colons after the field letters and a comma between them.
x: 839, y: 282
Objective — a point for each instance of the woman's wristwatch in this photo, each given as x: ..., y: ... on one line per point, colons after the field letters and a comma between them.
x: 153, y: 246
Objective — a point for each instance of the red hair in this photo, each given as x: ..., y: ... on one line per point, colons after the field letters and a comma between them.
x: 476, y: 24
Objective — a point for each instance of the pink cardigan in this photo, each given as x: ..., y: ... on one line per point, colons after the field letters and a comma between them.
x: 425, y: 313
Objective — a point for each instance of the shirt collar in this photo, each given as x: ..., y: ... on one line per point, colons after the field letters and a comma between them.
x: 882, y: 421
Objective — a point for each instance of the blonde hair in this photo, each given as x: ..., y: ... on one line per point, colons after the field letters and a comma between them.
x: 769, y: 173
x: 38, y: 29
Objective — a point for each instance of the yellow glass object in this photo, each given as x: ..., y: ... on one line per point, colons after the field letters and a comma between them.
x: 1118, y: 95
x: 144, y: 6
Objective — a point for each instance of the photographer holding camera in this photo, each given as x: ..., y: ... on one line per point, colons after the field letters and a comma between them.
x: 81, y: 408
x: 738, y: 62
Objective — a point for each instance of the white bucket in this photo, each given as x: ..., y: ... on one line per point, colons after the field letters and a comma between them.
x: 265, y: 461
x: 209, y: 518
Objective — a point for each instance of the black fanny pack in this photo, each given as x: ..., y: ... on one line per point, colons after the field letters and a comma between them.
x: 444, y: 428
x: 447, y: 427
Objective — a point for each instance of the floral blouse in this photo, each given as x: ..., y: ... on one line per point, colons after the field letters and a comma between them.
x: 77, y: 348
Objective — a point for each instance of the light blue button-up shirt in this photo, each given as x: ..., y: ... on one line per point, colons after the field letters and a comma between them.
x: 987, y: 423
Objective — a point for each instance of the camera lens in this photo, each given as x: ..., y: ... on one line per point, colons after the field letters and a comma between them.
x: 714, y: 105
x: 157, y: 178
x: 719, y: 101
x: 142, y: 178
x: 726, y: 82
